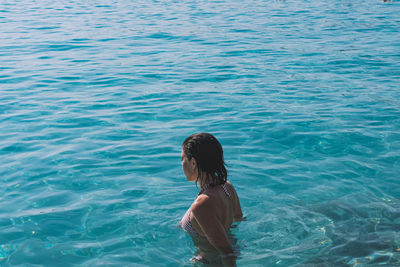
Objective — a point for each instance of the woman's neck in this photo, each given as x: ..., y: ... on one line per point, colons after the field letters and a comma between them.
x: 204, y: 182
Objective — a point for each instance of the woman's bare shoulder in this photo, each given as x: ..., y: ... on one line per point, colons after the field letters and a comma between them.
x: 203, y: 205
x: 230, y: 186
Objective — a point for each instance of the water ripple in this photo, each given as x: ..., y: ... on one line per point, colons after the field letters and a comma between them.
x: 97, y: 98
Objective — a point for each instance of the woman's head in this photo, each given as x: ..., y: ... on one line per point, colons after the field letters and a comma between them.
x: 205, y: 154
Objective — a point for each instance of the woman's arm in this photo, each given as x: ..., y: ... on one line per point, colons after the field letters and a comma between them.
x: 237, y: 209
x: 205, y: 215
x: 238, y: 216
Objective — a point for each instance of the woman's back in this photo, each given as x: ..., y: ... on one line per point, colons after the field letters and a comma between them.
x: 224, y: 205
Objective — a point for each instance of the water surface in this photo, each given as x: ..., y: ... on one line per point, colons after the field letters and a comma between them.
x: 97, y: 97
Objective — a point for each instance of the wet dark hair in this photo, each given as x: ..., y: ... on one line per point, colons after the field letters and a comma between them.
x: 207, y: 152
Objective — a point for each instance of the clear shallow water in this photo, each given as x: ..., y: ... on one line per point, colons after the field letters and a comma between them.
x: 96, y: 99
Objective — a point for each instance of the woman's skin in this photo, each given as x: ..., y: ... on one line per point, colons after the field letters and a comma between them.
x: 212, y: 212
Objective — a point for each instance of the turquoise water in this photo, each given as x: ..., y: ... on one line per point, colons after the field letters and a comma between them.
x: 96, y: 98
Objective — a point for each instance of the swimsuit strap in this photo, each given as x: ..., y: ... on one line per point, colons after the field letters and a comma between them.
x: 206, y: 186
x: 225, y: 190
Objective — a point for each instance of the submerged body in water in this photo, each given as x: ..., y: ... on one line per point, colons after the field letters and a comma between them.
x: 208, y: 254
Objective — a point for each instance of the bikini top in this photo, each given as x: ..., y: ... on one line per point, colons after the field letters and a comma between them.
x: 185, y: 222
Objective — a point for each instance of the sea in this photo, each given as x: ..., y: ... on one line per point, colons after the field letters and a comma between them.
x: 97, y: 96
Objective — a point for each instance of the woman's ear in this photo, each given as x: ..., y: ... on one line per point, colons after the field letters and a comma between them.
x: 193, y: 163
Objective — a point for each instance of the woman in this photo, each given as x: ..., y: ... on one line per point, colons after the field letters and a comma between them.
x: 217, y: 205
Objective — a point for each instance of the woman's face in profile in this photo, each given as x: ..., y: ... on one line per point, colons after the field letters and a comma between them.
x: 189, y: 167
